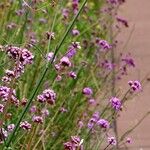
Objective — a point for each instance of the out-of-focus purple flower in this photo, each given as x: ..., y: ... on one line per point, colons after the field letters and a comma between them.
x: 112, y: 140
x: 20, y: 12
x: 80, y: 124
x: 33, y: 109
x: 58, y: 78
x: 6, y: 92
x: 11, y: 26
x: 45, y: 112
x: 10, y: 127
x: 128, y: 60
x: 5, y: 133
x: 50, y: 35
x: 123, y: 21
x: 75, y: 5
x: 25, y: 125
x: 21, y: 54
x: 47, y: 95
x: 37, y: 119
x: 64, y: 61
x: 73, y: 49
x: 93, y: 120
x: 115, y: 103
x: 87, y: 91
x: 106, y: 64
x: 65, y: 13
x: 92, y: 101
x: 75, y: 32
x: 135, y: 85
x: 74, y: 144
x: 63, y: 110
x: 72, y: 74
x: 104, y: 45
x: 128, y: 140
x: 1, y: 108
x: 49, y: 56
x: 103, y: 123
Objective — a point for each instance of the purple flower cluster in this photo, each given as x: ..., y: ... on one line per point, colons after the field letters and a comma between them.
x: 25, y: 125
x: 87, y: 91
x: 103, y: 45
x: 20, y: 54
x: 73, y: 49
x: 122, y: 21
x: 37, y: 119
x: 112, y: 140
x: 8, y: 94
x: 48, y: 96
x: 103, y: 123
x: 75, y: 6
x: 115, y: 103
x: 74, y: 144
x: 135, y: 85
x: 93, y: 120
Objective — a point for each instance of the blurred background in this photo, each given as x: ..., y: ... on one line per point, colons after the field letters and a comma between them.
x: 137, y: 12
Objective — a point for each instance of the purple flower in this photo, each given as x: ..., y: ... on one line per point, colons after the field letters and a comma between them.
x: 50, y: 56
x: 45, y: 112
x: 33, y: 109
x: 115, y: 103
x: 74, y: 144
x: 128, y: 140
x: 50, y: 35
x: 37, y: 119
x: 64, y: 61
x: 135, y: 85
x: 65, y: 13
x: 21, y: 54
x: 1, y: 108
x: 103, y: 123
x: 87, y: 91
x: 112, y: 140
x: 25, y: 125
x: 73, y: 49
x: 104, y: 45
x: 93, y: 120
x: 72, y: 74
x: 75, y: 32
x: 123, y: 21
x: 10, y: 127
x: 47, y: 95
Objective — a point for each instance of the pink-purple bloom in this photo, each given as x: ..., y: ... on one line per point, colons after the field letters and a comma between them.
x: 47, y: 95
x: 103, y: 123
x: 115, y: 103
x: 87, y: 91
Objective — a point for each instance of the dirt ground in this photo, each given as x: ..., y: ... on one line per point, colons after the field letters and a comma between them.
x: 138, y: 14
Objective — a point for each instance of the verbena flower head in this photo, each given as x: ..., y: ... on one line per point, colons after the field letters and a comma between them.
x: 47, y: 95
x: 74, y: 144
x: 1, y: 108
x: 25, y: 125
x: 64, y: 61
x: 72, y: 74
x: 93, y: 120
x: 115, y: 103
x: 21, y: 54
x: 49, y: 56
x: 104, y: 45
x: 112, y: 140
x: 10, y: 127
x: 75, y: 32
x: 135, y: 85
x: 87, y: 91
x: 37, y: 119
x: 103, y: 123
